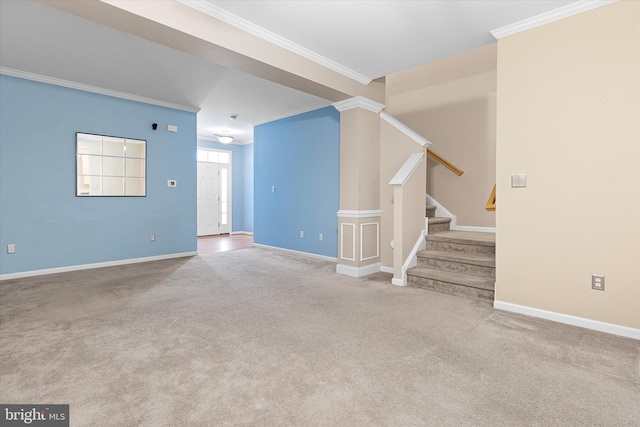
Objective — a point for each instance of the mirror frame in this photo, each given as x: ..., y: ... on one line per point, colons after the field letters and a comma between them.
x: 101, y: 174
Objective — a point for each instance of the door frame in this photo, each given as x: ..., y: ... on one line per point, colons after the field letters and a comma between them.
x: 230, y: 193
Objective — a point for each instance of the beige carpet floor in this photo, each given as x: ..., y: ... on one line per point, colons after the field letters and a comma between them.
x: 263, y: 338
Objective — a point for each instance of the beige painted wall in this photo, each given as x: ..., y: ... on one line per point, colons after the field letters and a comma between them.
x: 452, y: 103
x: 569, y: 117
x: 395, y: 149
x: 359, y: 159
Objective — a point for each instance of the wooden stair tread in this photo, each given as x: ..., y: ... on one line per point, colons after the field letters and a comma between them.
x: 485, y: 261
x: 454, y: 278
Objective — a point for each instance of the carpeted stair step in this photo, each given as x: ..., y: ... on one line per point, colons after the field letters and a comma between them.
x: 438, y: 224
x: 476, y: 265
x: 431, y: 211
x: 462, y: 242
x: 452, y: 283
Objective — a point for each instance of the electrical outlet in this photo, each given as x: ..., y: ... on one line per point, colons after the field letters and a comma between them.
x: 11, y: 248
x: 152, y: 237
x: 597, y: 282
x: 321, y: 236
x: 302, y: 234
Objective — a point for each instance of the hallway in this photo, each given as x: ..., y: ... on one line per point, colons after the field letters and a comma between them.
x: 224, y: 243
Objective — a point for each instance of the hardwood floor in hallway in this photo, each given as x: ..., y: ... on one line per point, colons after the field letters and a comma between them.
x: 224, y: 243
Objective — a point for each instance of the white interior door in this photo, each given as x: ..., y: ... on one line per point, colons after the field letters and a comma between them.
x: 208, y: 188
x: 214, y: 192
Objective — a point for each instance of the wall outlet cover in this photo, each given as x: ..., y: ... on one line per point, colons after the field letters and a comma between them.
x: 597, y: 282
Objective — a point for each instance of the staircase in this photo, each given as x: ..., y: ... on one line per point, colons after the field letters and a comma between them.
x: 437, y: 223
x: 460, y: 263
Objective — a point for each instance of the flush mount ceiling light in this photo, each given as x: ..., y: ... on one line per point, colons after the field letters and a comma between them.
x: 225, y: 139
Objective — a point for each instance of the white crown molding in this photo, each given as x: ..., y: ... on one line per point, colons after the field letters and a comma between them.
x: 251, y: 28
x: 596, y: 325
x: 407, y: 169
x: 214, y: 139
x: 93, y: 89
x: 57, y: 270
x: 343, y: 213
x: 294, y: 113
x: 405, y: 129
x: 551, y: 16
x: 358, y: 102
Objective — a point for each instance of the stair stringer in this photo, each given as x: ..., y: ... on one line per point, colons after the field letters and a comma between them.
x: 412, y: 259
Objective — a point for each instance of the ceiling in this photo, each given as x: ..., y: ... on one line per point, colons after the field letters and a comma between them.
x: 371, y: 38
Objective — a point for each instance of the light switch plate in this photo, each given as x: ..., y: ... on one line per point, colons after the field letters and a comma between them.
x: 172, y: 183
x: 518, y: 180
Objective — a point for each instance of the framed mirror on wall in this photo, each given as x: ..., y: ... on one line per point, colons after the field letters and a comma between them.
x: 110, y: 166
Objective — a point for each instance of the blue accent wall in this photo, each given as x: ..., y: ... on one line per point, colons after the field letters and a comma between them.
x: 39, y: 211
x: 300, y: 156
x: 241, y: 182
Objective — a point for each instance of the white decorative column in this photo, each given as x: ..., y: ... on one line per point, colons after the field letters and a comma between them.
x: 359, y: 214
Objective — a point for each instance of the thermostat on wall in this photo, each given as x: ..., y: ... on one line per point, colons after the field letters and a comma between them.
x: 172, y: 183
x: 172, y: 128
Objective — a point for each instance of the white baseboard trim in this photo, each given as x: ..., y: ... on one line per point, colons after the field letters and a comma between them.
x: 568, y: 319
x: 350, y: 271
x: 479, y: 229
x: 249, y: 233
x: 291, y: 251
x: 386, y: 269
x: 398, y: 282
x: 67, y: 269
